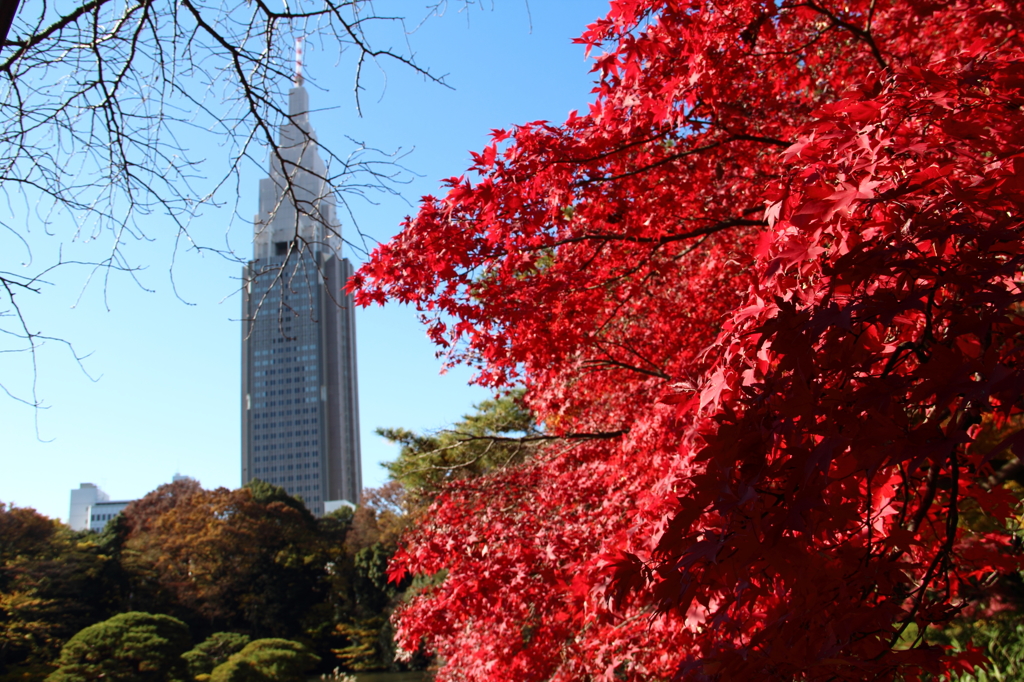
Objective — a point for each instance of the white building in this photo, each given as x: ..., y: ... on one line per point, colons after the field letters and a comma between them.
x: 82, y: 501
x: 101, y: 513
x: 92, y: 509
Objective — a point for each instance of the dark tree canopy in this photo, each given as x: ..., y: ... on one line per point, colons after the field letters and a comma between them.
x: 230, y: 565
x: 225, y: 556
x: 53, y: 583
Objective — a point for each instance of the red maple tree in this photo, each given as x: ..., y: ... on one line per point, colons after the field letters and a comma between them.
x: 767, y: 291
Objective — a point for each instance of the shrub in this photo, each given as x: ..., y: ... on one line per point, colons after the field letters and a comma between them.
x: 130, y: 647
x: 216, y: 650
x: 267, y: 660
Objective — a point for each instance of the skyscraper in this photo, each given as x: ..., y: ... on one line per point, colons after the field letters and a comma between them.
x: 300, y: 409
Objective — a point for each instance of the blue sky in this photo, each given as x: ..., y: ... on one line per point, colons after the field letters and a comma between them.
x: 166, y: 395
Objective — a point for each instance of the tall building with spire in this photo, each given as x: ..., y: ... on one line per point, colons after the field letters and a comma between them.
x: 300, y: 408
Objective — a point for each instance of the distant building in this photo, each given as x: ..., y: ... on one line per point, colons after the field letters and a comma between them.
x: 81, y: 501
x: 92, y: 509
x: 101, y: 513
x: 335, y: 505
x: 300, y: 410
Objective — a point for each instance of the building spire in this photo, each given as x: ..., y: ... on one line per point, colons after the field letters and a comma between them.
x: 298, y: 62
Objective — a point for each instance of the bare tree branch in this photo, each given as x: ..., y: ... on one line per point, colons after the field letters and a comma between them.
x: 122, y: 121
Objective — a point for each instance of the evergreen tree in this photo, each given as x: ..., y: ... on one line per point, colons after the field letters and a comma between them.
x: 130, y: 647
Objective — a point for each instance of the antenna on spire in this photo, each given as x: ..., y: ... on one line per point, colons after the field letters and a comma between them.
x: 298, y: 62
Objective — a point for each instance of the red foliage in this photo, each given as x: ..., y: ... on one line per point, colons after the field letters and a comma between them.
x: 768, y: 288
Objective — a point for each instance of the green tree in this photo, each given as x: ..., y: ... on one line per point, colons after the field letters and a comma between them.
x: 378, y: 523
x: 336, y: 583
x: 267, y: 493
x: 130, y: 647
x: 501, y: 432
x: 362, y: 637
x: 267, y: 660
x: 217, y: 649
